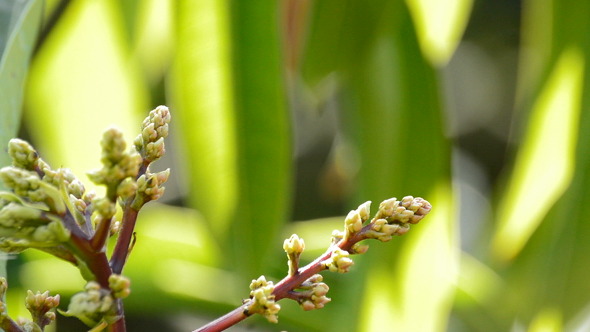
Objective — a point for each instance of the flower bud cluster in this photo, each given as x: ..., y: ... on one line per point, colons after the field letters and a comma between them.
x: 23, y: 227
x: 23, y: 154
x: 119, y: 285
x: 64, y: 177
x: 39, y: 305
x: 262, y: 301
x: 394, y: 217
x: 27, y: 184
x: 409, y: 210
x: 150, y: 187
x: 118, y: 164
x: 339, y: 261
x: 150, y: 143
x: 92, y: 305
x: 312, y: 293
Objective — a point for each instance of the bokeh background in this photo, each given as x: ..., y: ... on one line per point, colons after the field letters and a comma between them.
x: 287, y: 114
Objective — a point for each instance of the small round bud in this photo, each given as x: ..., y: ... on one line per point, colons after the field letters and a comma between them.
x: 119, y: 286
x: 294, y: 245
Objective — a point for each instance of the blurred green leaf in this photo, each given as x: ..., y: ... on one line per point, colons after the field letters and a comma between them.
x: 235, y: 124
x: 417, y: 294
x: 202, y: 94
x: 97, y: 87
x: 544, y: 167
x: 548, y: 320
x: 393, y: 116
x: 340, y: 32
x: 263, y: 135
x: 390, y: 134
x: 19, y: 24
x: 439, y: 26
x: 546, y: 272
x: 153, y: 42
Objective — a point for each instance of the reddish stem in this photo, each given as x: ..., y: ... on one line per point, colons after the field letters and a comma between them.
x: 121, y: 250
x: 228, y: 320
x: 119, y: 325
x: 8, y: 325
x: 95, y: 260
x: 283, y: 287
x: 101, y: 234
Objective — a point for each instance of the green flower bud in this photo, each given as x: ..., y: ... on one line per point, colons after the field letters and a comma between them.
x: 409, y: 210
x: 13, y: 246
x: 150, y: 143
x: 39, y: 305
x: 358, y: 248
x: 155, y: 150
x: 262, y: 301
x: 92, y: 305
x: 386, y: 208
x: 149, y: 187
x: 312, y: 293
x: 149, y: 133
x: 23, y: 154
x: 353, y: 222
x: 338, y: 261
x: 51, y: 234
x: 117, y: 164
x: 14, y: 215
x: 127, y: 188
x: 104, y: 207
x: 113, y: 146
x: 294, y: 245
x: 89, y: 196
x: 119, y: 286
x: 64, y: 176
x: 364, y: 211
x: 28, y: 184
x: 79, y: 204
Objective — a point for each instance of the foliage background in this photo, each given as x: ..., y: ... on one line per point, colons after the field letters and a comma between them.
x: 286, y: 114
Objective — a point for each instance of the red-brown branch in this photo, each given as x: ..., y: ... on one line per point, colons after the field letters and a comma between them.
x: 121, y: 250
x: 283, y: 287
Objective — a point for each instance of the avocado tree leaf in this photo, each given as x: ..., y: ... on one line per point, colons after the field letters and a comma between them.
x: 19, y: 25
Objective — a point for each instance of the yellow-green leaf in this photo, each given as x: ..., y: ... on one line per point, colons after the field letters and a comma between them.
x: 545, y: 163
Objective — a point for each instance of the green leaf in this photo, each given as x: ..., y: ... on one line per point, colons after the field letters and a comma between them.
x: 202, y: 94
x: 262, y: 132
x: 234, y: 120
x: 544, y: 167
x: 19, y: 25
x: 80, y: 84
x: 396, y: 123
x: 439, y: 26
